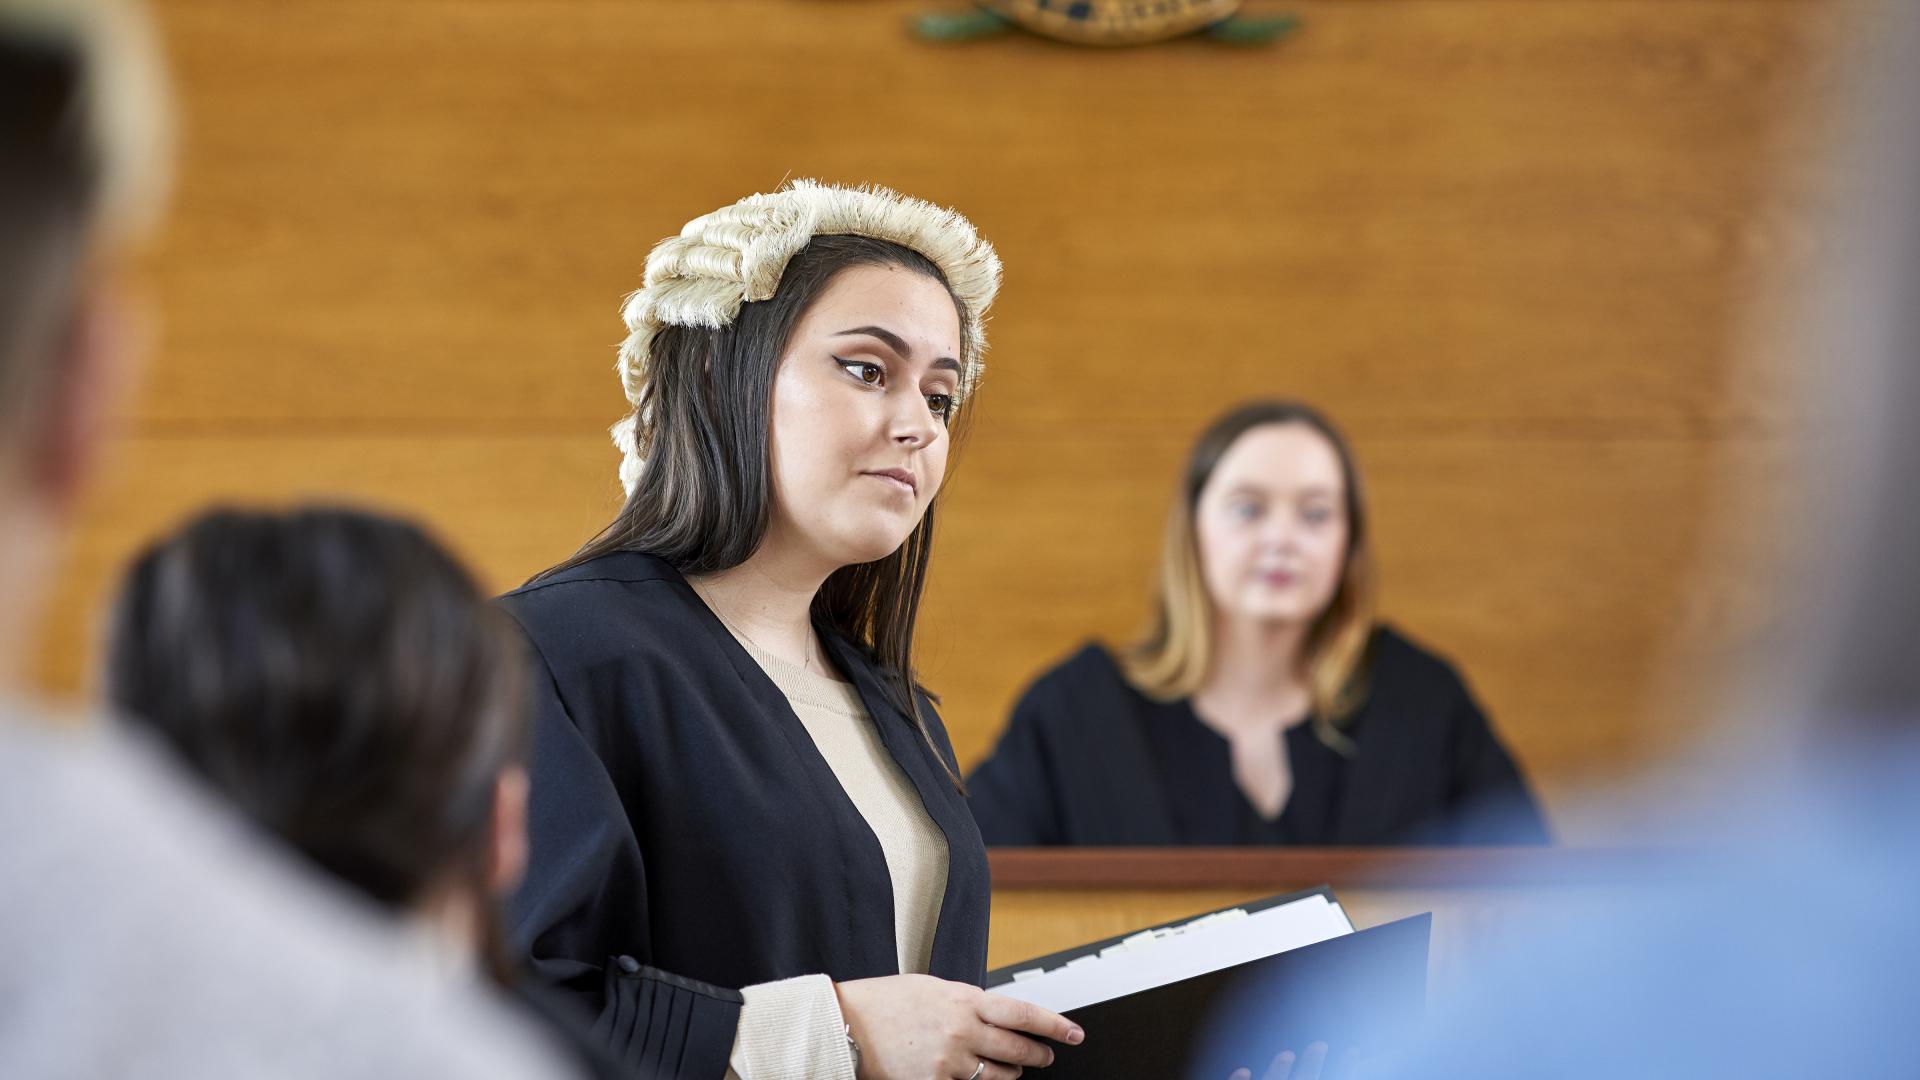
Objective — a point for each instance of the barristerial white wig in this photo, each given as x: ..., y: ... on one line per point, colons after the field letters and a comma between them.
x: 737, y: 254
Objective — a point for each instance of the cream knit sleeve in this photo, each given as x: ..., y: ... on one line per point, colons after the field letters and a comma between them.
x: 791, y: 1030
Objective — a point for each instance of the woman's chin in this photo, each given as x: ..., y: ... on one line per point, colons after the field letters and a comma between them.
x: 1274, y: 612
x: 868, y: 547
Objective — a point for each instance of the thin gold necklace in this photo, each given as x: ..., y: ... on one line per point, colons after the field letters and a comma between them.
x: 806, y: 662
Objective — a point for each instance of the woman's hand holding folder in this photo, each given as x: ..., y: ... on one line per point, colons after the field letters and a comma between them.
x: 920, y: 1026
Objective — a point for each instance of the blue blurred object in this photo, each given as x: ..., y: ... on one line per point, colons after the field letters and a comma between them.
x: 1793, y: 951
x: 1791, y: 946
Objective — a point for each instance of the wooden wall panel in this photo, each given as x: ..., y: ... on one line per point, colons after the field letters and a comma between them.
x: 1506, y: 242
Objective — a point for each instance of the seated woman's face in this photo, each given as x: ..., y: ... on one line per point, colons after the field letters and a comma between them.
x: 860, y: 404
x: 1271, y: 525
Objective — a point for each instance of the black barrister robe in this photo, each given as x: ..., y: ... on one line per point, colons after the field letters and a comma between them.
x: 688, y: 839
x: 1088, y: 759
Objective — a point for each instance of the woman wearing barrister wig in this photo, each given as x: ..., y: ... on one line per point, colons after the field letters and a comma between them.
x: 737, y: 784
x: 1266, y: 705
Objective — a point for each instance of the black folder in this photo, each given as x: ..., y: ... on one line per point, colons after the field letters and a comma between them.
x: 1358, y: 992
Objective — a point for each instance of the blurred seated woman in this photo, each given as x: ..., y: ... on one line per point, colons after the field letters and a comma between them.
x: 340, y: 680
x: 1267, y: 705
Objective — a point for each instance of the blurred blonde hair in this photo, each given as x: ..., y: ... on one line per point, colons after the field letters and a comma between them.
x: 1175, y: 656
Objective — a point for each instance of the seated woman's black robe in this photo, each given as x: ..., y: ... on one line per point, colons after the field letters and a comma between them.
x: 1088, y: 759
x: 688, y: 839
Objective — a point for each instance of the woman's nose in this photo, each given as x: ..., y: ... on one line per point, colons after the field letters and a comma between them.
x: 913, y: 423
x: 1279, y: 534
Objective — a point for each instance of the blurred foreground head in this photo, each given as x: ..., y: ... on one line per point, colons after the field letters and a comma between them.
x: 144, y: 934
x: 1784, y: 945
x: 82, y: 155
x: 82, y: 152
x: 342, y: 681
x: 1789, y: 947
x: 1858, y: 346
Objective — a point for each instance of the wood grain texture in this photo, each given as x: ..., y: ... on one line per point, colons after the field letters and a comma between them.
x: 1277, y: 869
x: 1506, y: 243
x: 1046, y: 901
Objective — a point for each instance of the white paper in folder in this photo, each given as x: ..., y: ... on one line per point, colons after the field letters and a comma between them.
x: 1157, y: 957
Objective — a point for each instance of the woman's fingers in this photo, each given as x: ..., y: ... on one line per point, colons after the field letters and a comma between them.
x: 961, y: 1068
x: 1017, y: 1015
x: 1312, y: 1060
x: 1240, y: 1074
x: 999, y: 1044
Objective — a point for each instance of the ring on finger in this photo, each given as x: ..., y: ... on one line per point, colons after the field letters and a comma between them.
x: 978, y: 1069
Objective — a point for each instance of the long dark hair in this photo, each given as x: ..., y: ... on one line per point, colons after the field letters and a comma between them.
x: 342, y: 681
x: 705, y: 498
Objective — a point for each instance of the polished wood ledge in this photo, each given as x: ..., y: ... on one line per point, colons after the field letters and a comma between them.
x: 1046, y: 899
x: 1362, y: 868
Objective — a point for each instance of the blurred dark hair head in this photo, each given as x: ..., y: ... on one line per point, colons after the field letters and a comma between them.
x: 340, y: 679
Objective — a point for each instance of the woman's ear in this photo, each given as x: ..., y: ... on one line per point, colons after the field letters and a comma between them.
x: 507, y: 862
x: 91, y: 382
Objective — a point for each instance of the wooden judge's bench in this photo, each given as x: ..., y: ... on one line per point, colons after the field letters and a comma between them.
x: 1049, y: 899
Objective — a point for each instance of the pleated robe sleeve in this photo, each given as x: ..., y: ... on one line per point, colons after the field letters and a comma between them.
x: 581, y: 917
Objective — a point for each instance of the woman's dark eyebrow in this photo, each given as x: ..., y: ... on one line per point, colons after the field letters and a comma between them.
x: 894, y: 341
x: 898, y: 345
x: 1310, y: 491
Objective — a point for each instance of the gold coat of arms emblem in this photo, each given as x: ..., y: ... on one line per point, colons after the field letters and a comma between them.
x: 1110, y: 22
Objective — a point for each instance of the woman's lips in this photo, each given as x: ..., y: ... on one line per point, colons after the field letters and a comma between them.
x: 899, y: 478
x: 1279, y: 579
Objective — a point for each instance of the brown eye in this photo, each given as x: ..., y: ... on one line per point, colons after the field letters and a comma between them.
x: 941, y: 405
x: 871, y: 374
